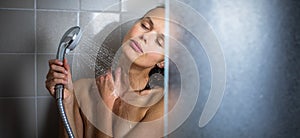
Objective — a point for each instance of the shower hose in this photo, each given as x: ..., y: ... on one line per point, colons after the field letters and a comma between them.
x: 59, y: 99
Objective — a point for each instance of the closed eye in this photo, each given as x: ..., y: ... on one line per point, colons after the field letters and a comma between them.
x: 160, y: 40
x: 147, y: 23
x: 145, y: 26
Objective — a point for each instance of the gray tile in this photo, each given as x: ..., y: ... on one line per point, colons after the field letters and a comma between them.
x: 98, y: 18
x: 48, y: 118
x: 58, y: 4
x: 128, y: 19
x: 51, y: 25
x: 16, y: 75
x: 17, y: 4
x: 139, y: 6
x: 100, y: 5
x: 94, y: 23
x: 17, y: 31
x: 17, y: 118
x: 42, y: 70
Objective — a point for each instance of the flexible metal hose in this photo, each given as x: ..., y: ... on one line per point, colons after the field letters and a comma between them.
x: 62, y: 113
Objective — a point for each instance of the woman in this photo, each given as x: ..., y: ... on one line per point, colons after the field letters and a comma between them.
x: 126, y: 90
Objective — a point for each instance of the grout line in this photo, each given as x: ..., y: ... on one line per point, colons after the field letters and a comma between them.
x: 17, y: 53
x: 45, y: 97
x: 17, y: 9
x: 35, y: 68
x: 79, y: 5
x: 27, y: 53
x: 61, y: 10
x: 78, y: 14
x: 26, y: 97
x: 58, y: 10
x: 123, y: 6
x: 21, y: 97
x: 46, y: 53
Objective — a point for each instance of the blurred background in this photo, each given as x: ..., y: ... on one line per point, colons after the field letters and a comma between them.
x: 260, y: 41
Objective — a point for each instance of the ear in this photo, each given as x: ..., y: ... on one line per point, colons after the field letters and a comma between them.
x: 161, y: 64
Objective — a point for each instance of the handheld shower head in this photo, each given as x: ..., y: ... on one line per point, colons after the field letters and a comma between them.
x: 68, y: 42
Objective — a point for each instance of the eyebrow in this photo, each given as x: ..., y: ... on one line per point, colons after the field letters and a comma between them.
x: 152, y: 24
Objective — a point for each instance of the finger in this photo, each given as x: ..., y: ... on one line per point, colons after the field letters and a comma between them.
x: 55, y: 61
x: 57, y: 68
x: 108, y: 77
x: 52, y: 91
x: 118, y: 76
x: 68, y: 69
x: 50, y: 87
x: 58, y: 76
x: 117, y: 83
x: 109, y: 82
x: 101, y: 79
x: 66, y: 65
x: 55, y: 81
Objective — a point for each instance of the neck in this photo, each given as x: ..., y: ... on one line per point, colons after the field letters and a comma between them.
x: 138, y: 76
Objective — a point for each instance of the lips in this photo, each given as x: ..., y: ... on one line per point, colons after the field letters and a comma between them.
x: 135, y: 46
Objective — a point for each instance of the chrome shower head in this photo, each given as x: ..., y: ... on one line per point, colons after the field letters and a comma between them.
x: 68, y: 42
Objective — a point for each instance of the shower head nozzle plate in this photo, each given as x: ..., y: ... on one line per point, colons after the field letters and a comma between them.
x: 71, y: 38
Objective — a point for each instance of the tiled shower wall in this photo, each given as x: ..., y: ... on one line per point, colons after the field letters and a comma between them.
x: 30, y: 33
x: 260, y: 39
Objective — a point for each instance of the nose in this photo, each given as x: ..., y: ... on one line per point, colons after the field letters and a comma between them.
x: 149, y: 37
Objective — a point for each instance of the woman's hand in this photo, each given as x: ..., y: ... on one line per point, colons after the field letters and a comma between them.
x: 139, y: 99
x: 106, y: 88
x: 59, y: 73
x: 111, y: 89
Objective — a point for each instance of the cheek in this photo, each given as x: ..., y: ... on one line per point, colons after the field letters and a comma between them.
x: 133, y: 32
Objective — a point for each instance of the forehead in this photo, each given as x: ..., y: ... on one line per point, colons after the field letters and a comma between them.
x: 157, y: 17
x: 156, y: 13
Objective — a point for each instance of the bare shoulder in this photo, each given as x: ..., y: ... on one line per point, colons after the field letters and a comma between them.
x: 83, y: 83
x: 157, y: 110
x: 82, y: 88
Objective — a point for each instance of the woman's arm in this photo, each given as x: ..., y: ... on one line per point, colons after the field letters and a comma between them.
x: 74, y: 117
x: 60, y: 73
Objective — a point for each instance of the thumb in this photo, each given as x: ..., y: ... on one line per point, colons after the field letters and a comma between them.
x: 69, y: 86
x: 66, y: 65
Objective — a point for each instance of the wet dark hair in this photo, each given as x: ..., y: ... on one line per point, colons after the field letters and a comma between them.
x: 156, y: 78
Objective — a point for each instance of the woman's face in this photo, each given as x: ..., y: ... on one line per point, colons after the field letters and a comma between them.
x: 144, y: 42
